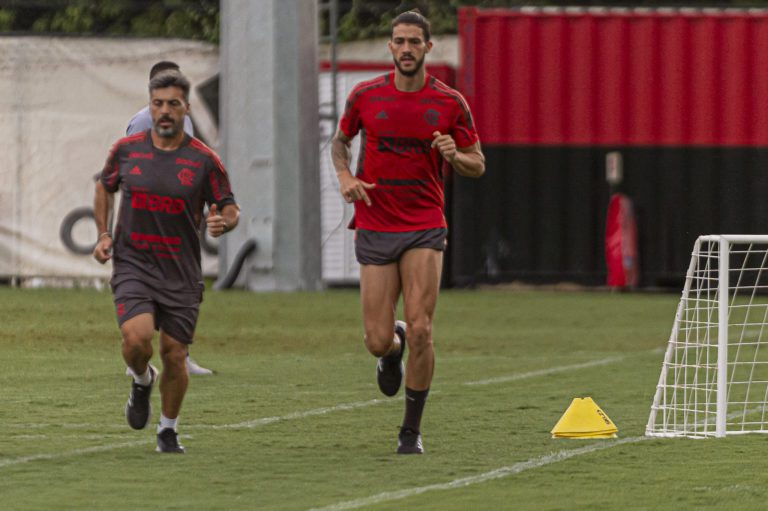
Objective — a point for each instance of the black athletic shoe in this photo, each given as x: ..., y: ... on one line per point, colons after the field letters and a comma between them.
x: 138, y: 410
x: 168, y: 441
x: 389, y: 369
x: 409, y: 442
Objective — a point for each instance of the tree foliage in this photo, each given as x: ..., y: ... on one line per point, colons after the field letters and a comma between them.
x: 363, y: 19
x: 186, y: 19
x: 199, y: 19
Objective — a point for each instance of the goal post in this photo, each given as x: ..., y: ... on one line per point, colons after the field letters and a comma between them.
x: 714, y: 378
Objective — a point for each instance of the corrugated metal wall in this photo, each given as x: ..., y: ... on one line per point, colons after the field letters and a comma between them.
x: 617, y: 78
x: 681, y: 93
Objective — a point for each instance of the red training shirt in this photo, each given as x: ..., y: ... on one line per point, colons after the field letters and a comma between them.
x: 396, y: 150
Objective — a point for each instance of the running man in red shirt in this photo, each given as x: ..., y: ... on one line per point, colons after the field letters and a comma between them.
x: 410, y: 124
x: 165, y: 177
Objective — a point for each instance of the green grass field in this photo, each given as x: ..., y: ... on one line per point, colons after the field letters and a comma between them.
x: 293, y: 418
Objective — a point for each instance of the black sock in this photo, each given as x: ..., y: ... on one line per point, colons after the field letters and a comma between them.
x: 414, y: 407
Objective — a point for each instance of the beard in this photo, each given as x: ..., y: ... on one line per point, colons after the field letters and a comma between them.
x: 167, y: 131
x: 412, y: 72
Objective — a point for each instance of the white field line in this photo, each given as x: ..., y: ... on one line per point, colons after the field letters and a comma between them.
x: 553, y: 370
x: 295, y: 415
x: 75, y: 452
x: 498, y: 473
x: 269, y: 420
x: 493, y: 474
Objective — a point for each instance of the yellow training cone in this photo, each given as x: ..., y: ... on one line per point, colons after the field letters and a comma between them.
x: 584, y: 419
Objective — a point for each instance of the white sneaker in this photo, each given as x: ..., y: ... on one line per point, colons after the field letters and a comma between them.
x: 194, y: 368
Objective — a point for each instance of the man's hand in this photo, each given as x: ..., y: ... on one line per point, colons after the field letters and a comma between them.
x: 102, y: 252
x: 216, y: 223
x: 353, y: 189
x: 446, y: 145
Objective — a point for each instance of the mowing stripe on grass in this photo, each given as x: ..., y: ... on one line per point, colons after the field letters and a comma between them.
x: 480, y: 478
x: 488, y: 476
x: 74, y: 452
x: 296, y: 415
x: 553, y: 370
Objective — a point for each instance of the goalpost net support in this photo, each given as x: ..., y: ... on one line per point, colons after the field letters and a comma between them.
x: 714, y: 378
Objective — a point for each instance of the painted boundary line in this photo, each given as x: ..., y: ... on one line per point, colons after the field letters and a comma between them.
x: 493, y: 474
x: 301, y: 415
x: 553, y: 370
x: 74, y: 452
x: 296, y: 415
x: 480, y: 478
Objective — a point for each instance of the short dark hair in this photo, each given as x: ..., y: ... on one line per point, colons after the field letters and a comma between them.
x: 170, y: 78
x: 163, y: 65
x: 413, y: 17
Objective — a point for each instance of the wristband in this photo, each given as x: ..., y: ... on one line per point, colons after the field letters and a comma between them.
x: 105, y: 233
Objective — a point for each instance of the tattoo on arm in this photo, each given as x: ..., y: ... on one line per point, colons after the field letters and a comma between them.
x: 341, y: 154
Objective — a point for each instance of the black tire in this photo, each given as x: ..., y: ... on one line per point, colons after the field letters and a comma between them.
x: 68, y: 225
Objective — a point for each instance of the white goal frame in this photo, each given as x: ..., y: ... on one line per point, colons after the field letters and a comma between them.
x: 714, y: 378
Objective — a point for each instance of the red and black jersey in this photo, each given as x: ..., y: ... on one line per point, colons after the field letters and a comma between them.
x: 396, y: 150
x: 156, y: 237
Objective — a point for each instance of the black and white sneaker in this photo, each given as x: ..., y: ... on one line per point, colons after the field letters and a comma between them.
x: 390, y: 369
x: 409, y: 442
x: 138, y: 410
x: 168, y: 441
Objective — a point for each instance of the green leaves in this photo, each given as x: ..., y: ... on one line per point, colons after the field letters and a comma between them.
x: 184, y: 19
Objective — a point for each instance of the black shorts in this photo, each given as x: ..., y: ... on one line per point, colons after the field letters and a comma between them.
x: 175, y: 312
x: 377, y: 247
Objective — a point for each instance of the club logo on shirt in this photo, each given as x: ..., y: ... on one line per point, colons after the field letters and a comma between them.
x: 135, y: 171
x: 186, y: 177
x: 382, y: 115
x: 432, y: 117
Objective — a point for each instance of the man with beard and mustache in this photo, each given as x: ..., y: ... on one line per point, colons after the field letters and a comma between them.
x: 411, y: 124
x: 165, y: 177
x: 141, y: 121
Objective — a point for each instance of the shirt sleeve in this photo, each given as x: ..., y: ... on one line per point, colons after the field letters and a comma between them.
x: 350, y: 120
x: 217, y: 188
x: 463, y: 131
x: 142, y: 121
x: 188, y: 128
x: 110, y: 174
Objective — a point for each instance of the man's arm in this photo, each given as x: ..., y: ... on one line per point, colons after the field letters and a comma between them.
x: 351, y: 188
x: 467, y: 161
x: 224, y: 221
x: 102, y: 207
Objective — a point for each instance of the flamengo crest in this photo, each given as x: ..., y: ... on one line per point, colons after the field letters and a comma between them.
x: 186, y: 176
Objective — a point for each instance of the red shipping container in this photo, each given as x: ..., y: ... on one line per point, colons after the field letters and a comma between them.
x: 629, y: 77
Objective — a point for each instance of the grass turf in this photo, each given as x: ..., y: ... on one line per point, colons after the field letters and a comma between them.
x: 268, y: 430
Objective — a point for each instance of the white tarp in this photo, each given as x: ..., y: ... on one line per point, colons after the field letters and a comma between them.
x: 63, y: 102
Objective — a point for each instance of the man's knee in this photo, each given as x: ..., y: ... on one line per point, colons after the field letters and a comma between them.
x: 136, y: 339
x: 379, y: 341
x: 173, y: 354
x: 419, y: 335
